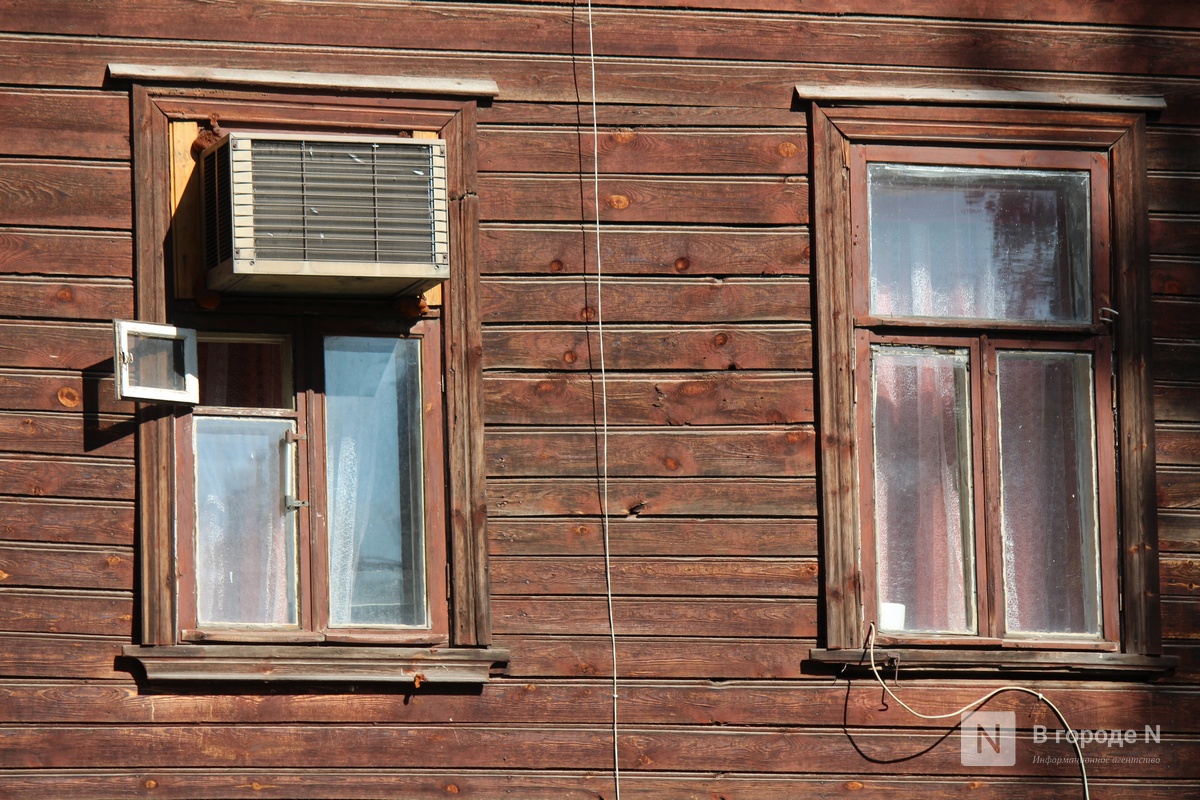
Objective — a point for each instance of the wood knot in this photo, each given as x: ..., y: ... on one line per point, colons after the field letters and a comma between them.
x: 671, y: 463
x: 570, y: 357
x: 853, y: 786
x: 721, y: 339
x: 151, y: 783
x: 68, y: 397
x: 65, y: 294
x: 624, y: 136
x: 617, y: 201
x: 451, y: 788
x: 556, y: 265
x: 112, y: 561
x: 682, y: 264
x: 588, y: 314
x: 787, y: 149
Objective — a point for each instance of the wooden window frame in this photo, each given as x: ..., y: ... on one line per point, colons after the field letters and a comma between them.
x: 841, y: 134
x: 164, y: 286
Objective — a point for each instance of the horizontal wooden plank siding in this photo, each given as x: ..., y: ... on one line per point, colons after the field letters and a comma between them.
x: 649, y: 396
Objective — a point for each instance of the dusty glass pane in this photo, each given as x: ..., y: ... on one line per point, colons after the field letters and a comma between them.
x: 242, y: 373
x: 375, y: 481
x: 976, y: 243
x: 245, y: 541
x: 923, y: 531
x: 157, y: 362
x: 1048, y: 504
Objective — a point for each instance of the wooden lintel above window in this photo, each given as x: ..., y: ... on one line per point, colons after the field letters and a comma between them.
x: 978, y: 97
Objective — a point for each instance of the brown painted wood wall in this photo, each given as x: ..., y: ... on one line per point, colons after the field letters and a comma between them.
x: 706, y: 305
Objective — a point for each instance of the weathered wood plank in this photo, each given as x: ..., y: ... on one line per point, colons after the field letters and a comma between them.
x: 712, y: 398
x: 656, y: 617
x: 712, y: 201
x: 731, y: 347
x: 299, y: 784
x: 647, y: 32
x: 731, y: 497
x: 66, y: 521
x: 555, y: 702
x: 25, y: 655
x: 1173, y: 192
x: 59, y: 567
x: 50, y: 476
x: 1175, y: 318
x: 67, y: 434
x: 640, y: 150
x: 1175, y: 276
x: 81, y: 62
x: 96, y: 299
x: 56, y: 611
x: 722, y: 749
x: 1179, y: 619
x: 643, y: 300
x: 1177, y: 445
x: 1177, y: 402
x: 1179, y: 531
x: 1172, y: 149
x: 661, y: 250
x: 1174, y: 235
x: 1180, y: 576
x: 674, y: 452
x: 646, y: 537
x: 48, y: 345
x: 676, y: 577
x: 68, y: 392
x: 664, y: 116
x: 76, y: 194
x: 1178, y: 487
x: 64, y: 123
x: 1176, y: 361
x: 25, y: 251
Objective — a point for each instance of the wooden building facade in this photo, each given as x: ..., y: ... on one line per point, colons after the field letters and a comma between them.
x: 650, y: 314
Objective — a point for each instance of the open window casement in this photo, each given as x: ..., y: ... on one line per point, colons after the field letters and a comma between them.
x: 155, y: 363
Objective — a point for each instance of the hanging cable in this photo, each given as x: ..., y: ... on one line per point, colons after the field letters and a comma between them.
x: 1071, y: 737
x: 604, y: 529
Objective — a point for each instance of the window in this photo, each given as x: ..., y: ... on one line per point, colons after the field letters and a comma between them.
x: 318, y: 513
x: 981, y: 295
x: 309, y: 481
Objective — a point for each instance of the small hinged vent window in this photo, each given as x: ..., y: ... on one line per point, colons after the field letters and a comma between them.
x: 155, y: 362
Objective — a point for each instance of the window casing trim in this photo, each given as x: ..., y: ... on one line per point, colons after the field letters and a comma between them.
x: 1120, y: 138
x: 155, y: 107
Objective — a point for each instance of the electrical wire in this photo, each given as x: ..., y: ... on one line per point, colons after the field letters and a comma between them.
x: 1071, y: 737
x: 604, y: 528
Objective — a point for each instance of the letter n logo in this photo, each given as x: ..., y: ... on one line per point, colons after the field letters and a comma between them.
x: 989, y: 739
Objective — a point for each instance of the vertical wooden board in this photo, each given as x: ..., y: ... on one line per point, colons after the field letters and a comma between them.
x: 186, y: 235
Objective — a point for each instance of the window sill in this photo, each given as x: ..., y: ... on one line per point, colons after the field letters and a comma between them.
x: 916, y: 663
x: 317, y: 664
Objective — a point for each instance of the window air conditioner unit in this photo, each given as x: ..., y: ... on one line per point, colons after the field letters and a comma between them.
x: 329, y: 215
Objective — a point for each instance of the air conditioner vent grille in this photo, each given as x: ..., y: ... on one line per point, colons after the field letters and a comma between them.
x: 343, y: 201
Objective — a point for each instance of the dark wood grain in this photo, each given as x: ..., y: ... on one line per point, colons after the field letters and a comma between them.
x: 733, y: 497
x: 66, y: 567
x: 66, y: 521
x: 676, y: 537
x: 699, y: 398
x: 728, y: 347
x: 26, y: 251
x: 50, y: 345
x: 67, y: 392
x: 1177, y: 445
x: 57, y: 611
x: 81, y: 195
x: 67, y: 434
x: 63, y: 123
x: 1175, y: 234
x: 1179, y: 531
x: 66, y: 299
x: 661, y: 250
x: 679, y: 453
x: 53, y: 476
x: 1175, y: 276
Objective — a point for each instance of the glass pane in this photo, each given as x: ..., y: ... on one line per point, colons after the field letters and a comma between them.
x: 245, y: 541
x: 375, y: 481
x: 157, y: 363
x: 995, y: 244
x: 923, y: 530
x: 245, y: 373
x: 1048, y: 503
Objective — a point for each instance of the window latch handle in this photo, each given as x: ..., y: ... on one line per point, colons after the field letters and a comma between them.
x: 293, y: 503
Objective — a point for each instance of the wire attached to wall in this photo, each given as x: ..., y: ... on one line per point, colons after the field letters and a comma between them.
x: 604, y: 528
x: 1071, y: 737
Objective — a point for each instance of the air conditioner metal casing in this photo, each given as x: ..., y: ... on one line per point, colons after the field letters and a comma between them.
x: 299, y: 214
